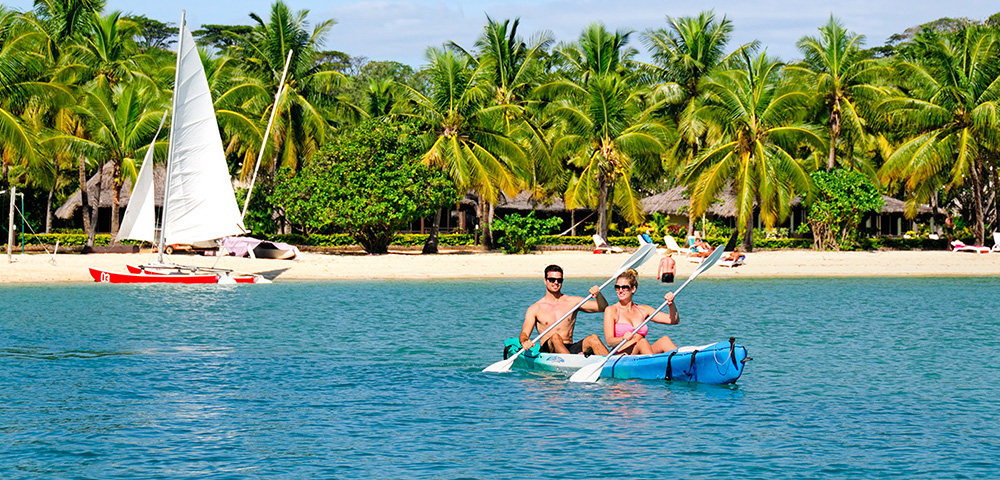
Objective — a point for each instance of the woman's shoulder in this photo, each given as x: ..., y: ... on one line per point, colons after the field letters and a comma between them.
x: 646, y: 309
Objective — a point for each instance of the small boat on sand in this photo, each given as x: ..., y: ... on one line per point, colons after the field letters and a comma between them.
x: 716, y: 363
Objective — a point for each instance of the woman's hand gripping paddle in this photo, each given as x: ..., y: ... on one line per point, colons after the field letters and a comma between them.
x: 644, y: 253
x: 591, y: 372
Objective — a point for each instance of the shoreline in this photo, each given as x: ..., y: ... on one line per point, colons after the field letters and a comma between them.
x: 465, y: 264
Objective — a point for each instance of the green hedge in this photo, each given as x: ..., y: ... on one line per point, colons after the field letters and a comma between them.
x: 782, y: 243
x: 904, y: 243
x: 344, y: 240
x: 407, y: 240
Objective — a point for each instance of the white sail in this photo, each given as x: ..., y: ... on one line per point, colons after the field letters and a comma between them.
x: 140, y: 214
x: 200, y: 203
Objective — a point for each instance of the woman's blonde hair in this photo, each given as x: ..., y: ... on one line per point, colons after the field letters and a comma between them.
x: 632, y: 276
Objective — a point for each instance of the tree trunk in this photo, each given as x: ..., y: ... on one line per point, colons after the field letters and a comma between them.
x: 602, y: 209
x: 488, y: 228
x: 116, y: 189
x: 748, y: 234
x: 483, y: 213
x: 48, y: 207
x: 978, y: 228
x: 85, y: 200
x: 834, y: 134
x: 996, y: 199
x: 431, y: 245
x: 690, y: 219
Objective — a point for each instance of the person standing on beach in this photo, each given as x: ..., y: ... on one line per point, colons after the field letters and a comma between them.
x: 665, y: 272
x: 554, y: 305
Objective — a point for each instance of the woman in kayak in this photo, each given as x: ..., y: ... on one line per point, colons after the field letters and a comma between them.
x: 621, y: 318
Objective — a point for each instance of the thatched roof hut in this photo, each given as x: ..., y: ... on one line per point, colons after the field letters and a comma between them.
x: 675, y: 202
x: 893, y: 205
x: 68, y: 208
x: 525, y: 202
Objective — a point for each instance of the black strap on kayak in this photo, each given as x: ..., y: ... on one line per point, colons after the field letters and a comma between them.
x: 690, y: 372
x: 669, y: 374
x: 732, y: 350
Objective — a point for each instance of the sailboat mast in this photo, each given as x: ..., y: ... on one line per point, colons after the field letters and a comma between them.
x: 267, y: 131
x: 170, y: 143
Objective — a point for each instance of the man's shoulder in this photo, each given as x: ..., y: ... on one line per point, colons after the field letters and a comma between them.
x: 570, y: 299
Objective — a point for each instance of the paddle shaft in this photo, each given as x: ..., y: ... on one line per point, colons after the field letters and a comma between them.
x: 637, y: 258
x: 566, y: 315
x: 584, y: 375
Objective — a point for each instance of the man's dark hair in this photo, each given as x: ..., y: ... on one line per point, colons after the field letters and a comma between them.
x: 552, y: 268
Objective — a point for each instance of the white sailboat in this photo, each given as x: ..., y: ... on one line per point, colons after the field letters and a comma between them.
x: 199, y: 202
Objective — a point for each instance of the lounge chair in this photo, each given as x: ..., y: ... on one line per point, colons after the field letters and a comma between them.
x: 727, y: 262
x: 601, y: 245
x: 671, y: 244
x: 959, y: 246
x: 996, y: 242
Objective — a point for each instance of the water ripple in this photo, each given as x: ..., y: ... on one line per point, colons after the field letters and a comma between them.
x: 851, y: 378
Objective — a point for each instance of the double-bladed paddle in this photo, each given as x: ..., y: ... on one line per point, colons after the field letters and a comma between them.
x: 644, y: 253
x: 591, y: 372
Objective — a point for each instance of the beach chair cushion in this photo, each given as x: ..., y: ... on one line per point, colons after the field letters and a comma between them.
x: 959, y: 246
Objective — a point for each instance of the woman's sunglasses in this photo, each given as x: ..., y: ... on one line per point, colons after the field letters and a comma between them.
x: 623, y: 287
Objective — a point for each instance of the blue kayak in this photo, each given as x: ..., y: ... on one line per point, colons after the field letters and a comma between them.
x: 716, y: 363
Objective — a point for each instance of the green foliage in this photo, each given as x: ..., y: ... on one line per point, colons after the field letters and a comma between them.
x: 521, y: 234
x: 916, y: 243
x: 564, y: 240
x: 369, y: 182
x: 221, y: 37
x: 68, y: 239
x: 344, y: 240
x: 258, y: 219
x: 842, y: 199
x: 781, y: 243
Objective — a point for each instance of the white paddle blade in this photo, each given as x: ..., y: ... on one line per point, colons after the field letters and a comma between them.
x: 641, y: 256
x: 588, y: 374
x: 712, y: 259
x: 501, y: 366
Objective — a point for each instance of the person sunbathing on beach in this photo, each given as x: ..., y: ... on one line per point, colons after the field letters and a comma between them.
x: 553, y: 306
x: 621, y: 318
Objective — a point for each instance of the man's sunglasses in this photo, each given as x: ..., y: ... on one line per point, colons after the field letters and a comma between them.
x: 553, y: 280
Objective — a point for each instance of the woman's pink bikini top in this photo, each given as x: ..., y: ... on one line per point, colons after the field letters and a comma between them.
x: 621, y: 328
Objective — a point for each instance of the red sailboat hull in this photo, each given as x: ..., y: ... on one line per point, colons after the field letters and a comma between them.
x: 102, y: 276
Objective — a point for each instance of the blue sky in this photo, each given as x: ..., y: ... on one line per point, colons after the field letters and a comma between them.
x: 402, y: 30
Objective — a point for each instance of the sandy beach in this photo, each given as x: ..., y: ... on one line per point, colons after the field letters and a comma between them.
x: 40, y: 268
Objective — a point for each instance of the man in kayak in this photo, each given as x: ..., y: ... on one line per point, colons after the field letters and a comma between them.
x: 553, y: 306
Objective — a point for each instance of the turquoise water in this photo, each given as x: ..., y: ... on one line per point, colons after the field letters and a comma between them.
x: 851, y: 378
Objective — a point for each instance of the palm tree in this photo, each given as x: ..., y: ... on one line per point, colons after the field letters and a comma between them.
x: 841, y: 75
x: 604, y: 128
x: 306, y: 105
x: 947, y: 112
x: 122, y: 120
x: 507, y: 68
x: 762, y: 134
x: 64, y: 23
x: 683, y: 56
x: 511, y: 68
x: 465, y: 133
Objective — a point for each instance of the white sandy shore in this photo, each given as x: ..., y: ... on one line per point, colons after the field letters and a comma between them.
x: 37, y: 268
